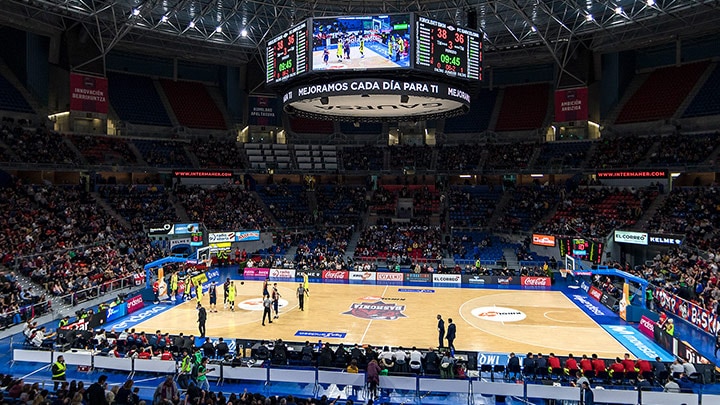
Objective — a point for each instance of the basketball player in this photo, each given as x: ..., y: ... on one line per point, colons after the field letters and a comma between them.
x: 198, y: 292
x: 306, y: 284
x: 265, y: 287
x: 231, y: 296
x: 339, y: 50
x: 173, y: 285
x: 326, y: 56
x: 362, y: 47
x: 212, y: 293
x: 276, y: 300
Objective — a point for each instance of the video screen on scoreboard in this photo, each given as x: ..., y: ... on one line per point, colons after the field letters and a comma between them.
x: 287, y: 54
x: 448, y: 49
x: 360, y: 43
x: 584, y: 249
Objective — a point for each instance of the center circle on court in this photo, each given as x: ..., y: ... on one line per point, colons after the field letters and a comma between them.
x: 256, y: 304
x: 498, y: 314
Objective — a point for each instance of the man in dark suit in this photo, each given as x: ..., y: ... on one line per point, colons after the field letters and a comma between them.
x: 451, y: 334
x: 441, y: 331
x: 202, y: 317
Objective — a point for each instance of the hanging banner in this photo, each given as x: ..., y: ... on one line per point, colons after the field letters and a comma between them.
x: 262, y: 111
x: 88, y: 93
x: 571, y: 104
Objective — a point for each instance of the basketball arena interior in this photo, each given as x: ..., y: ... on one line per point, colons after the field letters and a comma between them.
x: 359, y: 202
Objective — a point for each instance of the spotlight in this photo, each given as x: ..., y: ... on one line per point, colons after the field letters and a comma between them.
x: 244, y: 32
x: 324, y: 100
x: 164, y: 19
x: 136, y: 12
x: 356, y: 124
x: 650, y: 3
x: 218, y: 29
x: 404, y: 98
x: 589, y: 17
x: 192, y: 24
x: 618, y: 10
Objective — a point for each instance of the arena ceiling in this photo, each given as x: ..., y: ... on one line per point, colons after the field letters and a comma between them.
x: 234, y: 32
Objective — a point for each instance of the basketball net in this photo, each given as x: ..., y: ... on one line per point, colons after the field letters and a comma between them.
x: 564, y: 272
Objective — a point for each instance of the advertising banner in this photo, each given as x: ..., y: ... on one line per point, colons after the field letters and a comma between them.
x: 335, y: 275
x: 282, y: 273
x: 361, y: 276
x: 666, y: 239
x: 118, y: 311
x: 134, y: 304
x: 310, y: 274
x: 447, y: 278
x: 478, y: 280
x: 535, y: 281
x: 179, y: 242
x: 700, y: 317
x: 380, y: 276
x: 238, y: 236
x: 419, y: 277
x: 595, y: 293
x: 638, y: 344
x: 633, y: 238
x: 571, y: 104
x: 507, y: 280
x: 256, y: 272
x: 608, y: 301
x: 262, y: 111
x: 624, y: 302
x: 88, y: 93
x: 543, y: 240
x: 647, y: 327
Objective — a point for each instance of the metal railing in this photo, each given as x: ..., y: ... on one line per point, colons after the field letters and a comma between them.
x: 78, y: 297
x: 24, y: 313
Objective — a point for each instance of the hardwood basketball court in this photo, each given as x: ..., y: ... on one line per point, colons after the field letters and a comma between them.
x: 488, y: 320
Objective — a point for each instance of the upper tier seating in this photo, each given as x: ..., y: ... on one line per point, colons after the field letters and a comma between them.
x: 135, y: 100
x: 564, y: 154
x: 706, y: 101
x: 662, y: 93
x: 193, y: 105
x: 302, y: 125
x: 477, y: 119
x: 11, y: 99
x: 99, y: 150
x: 163, y: 153
x: 472, y: 206
x: 523, y: 107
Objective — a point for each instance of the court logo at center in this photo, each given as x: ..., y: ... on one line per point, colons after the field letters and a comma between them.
x: 256, y: 304
x: 377, y: 310
x: 498, y: 314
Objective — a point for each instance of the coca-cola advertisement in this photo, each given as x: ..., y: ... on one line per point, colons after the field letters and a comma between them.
x: 335, y: 274
x: 535, y: 281
x: 595, y: 293
x: 134, y: 304
x: 256, y: 272
x: 389, y: 277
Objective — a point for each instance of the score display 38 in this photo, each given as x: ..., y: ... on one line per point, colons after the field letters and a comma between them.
x: 447, y: 49
x: 286, y: 54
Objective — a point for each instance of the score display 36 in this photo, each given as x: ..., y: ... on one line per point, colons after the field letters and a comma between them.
x: 287, y: 54
x: 447, y: 49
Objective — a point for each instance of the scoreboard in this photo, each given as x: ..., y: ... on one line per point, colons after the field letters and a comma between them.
x: 583, y: 249
x: 287, y: 54
x: 447, y: 49
x: 383, y: 42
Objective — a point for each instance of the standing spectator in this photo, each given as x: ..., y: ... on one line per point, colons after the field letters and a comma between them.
x: 96, y: 392
x: 373, y: 377
x: 166, y: 392
x: 587, y: 397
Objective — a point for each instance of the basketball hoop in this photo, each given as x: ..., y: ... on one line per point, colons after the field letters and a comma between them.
x: 564, y: 272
